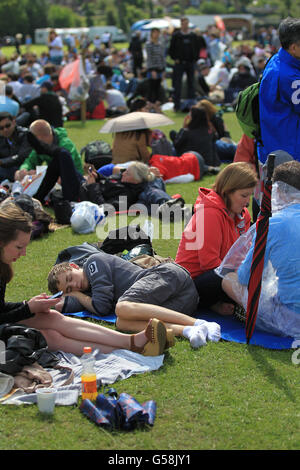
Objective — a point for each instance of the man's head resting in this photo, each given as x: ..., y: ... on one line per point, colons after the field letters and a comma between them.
x: 289, y: 173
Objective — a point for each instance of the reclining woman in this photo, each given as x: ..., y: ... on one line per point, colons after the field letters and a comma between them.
x: 220, y: 217
x: 135, y: 180
x: 61, y: 333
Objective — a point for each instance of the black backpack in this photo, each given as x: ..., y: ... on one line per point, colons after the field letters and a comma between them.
x: 24, y: 346
x: 97, y: 153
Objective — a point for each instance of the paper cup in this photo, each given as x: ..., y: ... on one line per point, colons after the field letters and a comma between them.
x: 46, y: 399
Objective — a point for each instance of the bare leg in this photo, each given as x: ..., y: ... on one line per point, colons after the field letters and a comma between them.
x: 71, y: 334
x: 132, y: 316
x: 135, y: 325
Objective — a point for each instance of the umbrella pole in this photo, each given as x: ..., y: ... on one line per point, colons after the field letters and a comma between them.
x: 83, y: 103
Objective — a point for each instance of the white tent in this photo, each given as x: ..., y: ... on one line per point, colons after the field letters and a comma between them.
x: 164, y: 23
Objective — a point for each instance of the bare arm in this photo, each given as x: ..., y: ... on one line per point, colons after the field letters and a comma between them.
x: 85, y: 300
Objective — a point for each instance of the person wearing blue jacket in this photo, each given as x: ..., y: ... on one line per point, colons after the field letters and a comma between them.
x: 279, y: 305
x: 279, y: 95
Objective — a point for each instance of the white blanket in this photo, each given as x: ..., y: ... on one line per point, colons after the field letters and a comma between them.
x: 118, y: 365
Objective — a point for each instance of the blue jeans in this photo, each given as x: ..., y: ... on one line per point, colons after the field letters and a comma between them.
x: 226, y: 151
x: 61, y: 165
x: 154, y: 193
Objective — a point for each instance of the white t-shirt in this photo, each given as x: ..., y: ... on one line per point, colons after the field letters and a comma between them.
x: 115, y: 98
x: 57, y: 42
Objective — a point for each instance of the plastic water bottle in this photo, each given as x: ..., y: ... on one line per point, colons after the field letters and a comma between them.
x: 17, y: 188
x: 88, y: 375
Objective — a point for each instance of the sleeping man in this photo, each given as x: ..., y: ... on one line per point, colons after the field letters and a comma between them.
x: 107, y: 283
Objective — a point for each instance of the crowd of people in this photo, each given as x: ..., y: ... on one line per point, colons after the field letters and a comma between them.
x: 160, y: 302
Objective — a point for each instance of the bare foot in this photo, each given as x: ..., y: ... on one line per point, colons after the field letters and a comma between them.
x: 223, y: 308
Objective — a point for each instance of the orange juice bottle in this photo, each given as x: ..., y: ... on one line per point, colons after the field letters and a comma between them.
x: 88, y: 375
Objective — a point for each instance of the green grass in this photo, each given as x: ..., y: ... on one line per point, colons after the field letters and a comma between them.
x: 222, y: 396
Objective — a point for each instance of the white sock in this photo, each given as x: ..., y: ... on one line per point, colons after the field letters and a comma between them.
x: 196, y: 335
x: 214, y: 329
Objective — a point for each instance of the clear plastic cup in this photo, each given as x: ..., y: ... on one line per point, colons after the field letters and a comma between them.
x: 46, y: 399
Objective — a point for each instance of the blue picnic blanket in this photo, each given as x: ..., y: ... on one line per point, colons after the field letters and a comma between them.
x: 231, y: 329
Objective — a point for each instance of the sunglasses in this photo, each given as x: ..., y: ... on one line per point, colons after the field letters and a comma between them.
x: 5, y: 127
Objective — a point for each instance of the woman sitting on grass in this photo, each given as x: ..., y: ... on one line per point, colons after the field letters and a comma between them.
x: 131, y: 145
x: 197, y: 136
x: 61, y: 333
x: 220, y: 217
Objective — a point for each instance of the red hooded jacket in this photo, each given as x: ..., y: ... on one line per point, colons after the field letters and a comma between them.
x: 170, y: 167
x: 209, y: 234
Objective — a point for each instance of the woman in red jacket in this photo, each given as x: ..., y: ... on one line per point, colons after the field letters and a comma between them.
x: 220, y: 217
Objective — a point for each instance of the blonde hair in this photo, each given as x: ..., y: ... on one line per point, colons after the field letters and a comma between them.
x: 141, y: 172
x: 233, y: 177
x: 12, y: 220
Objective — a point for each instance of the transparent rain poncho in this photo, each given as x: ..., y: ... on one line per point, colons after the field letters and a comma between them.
x: 272, y: 315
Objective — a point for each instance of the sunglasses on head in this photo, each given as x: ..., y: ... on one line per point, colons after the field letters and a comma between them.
x: 5, y: 127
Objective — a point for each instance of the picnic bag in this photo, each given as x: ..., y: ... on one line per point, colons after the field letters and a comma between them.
x: 97, y: 153
x: 247, y: 110
x: 24, y: 346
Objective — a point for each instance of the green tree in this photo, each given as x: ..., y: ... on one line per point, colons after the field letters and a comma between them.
x: 13, y: 17
x: 37, y: 15
x: 62, y: 17
x: 111, y: 17
x: 89, y: 13
x: 209, y: 8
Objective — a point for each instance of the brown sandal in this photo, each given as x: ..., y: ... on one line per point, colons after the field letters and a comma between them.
x: 170, y: 339
x: 156, y: 334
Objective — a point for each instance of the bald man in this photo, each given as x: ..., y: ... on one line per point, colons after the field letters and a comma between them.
x: 53, y: 147
x: 52, y: 137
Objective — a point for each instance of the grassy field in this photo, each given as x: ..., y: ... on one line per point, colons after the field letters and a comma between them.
x: 224, y: 396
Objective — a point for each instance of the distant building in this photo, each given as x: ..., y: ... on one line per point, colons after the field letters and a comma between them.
x: 231, y: 21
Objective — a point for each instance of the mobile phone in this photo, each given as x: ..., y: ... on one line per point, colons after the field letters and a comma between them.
x: 58, y: 294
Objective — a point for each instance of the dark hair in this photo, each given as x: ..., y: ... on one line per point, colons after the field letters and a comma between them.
x: 289, y: 173
x: 289, y: 32
x: 198, y: 118
x: 29, y: 78
x: 8, y: 90
x: 137, y: 104
x: 12, y: 220
x: 105, y: 70
x: 5, y: 115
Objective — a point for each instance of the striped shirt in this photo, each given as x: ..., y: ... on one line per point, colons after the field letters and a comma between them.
x: 155, y: 56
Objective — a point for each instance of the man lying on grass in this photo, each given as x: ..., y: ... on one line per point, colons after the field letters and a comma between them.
x: 106, y: 283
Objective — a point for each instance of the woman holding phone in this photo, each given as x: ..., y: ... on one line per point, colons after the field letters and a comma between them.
x: 61, y: 333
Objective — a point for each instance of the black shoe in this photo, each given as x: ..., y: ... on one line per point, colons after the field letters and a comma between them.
x: 165, y: 210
